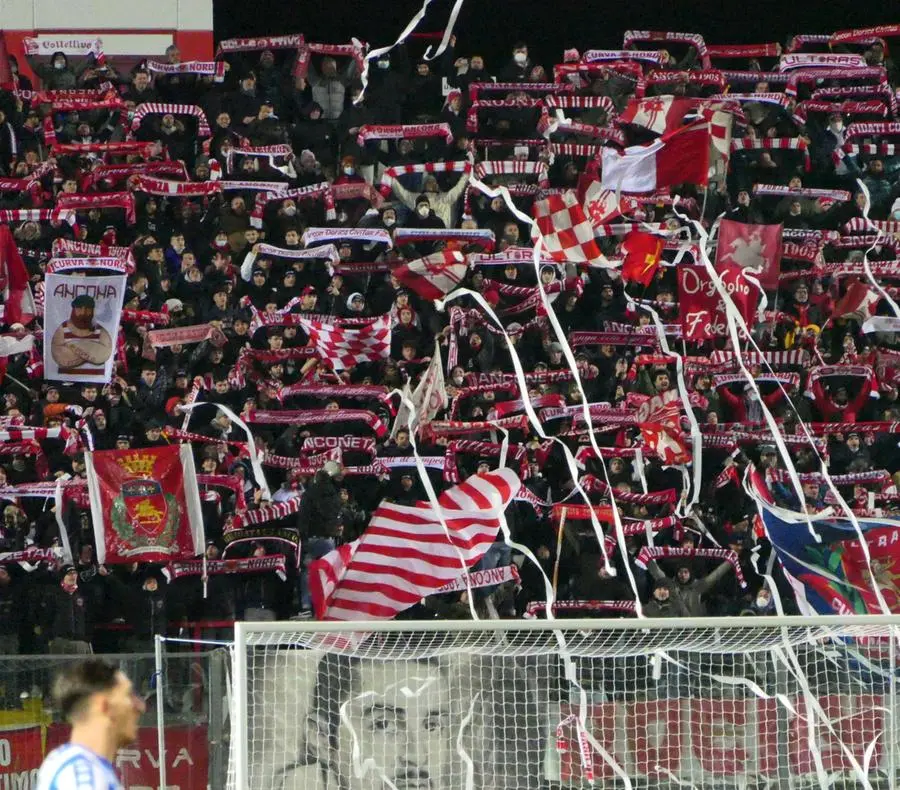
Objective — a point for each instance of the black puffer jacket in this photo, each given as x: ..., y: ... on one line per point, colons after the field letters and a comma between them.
x: 320, y: 508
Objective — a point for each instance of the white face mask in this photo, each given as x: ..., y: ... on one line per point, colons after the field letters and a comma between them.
x: 349, y: 171
x: 59, y: 65
x: 423, y: 210
x: 837, y: 126
x: 290, y: 211
x: 520, y: 58
x: 384, y: 64
x: 389, y: 222
x: 896, y: 214
x: 762, y: 601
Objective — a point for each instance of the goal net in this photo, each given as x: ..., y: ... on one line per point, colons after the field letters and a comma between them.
x: 779, y: 702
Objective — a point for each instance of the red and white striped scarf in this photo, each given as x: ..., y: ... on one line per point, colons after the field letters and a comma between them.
x: 129, y: 148
x: 484, y: 238
x: 32, y: 555
x: 316, y: 444
x: 706, y: 77
x: 777, y: 190
x: 145, y: 318
x: 99, y: 200
x: 10, y: 216
x: 880, y: 269
x: 472, y: 125
x: 70, y: 247
x: 424, y: 167
x: 70, y: 264
x: 793, y: 357
x: 318, y: 417
x: 667, y: 497
x: 272, y: 562
x: 359, y: 391
x: 743, y: 50
x: 161, y: 108
x: 773, y: 144
x: 209, y: 68
x: 693, y: 39
x: 861, y: 224
x: 322, y: 191
x: 414, y: 131
x: 801, y: 76
x: 118, y: 172
x: 291, y: 41
x: 269, y: 512
x: 646, y: 555
x: 165, y: 187
x: 355, y: 50
x: 461, y: 428
x: 874, y: 476
x: 540, y: 88
x: 612, y: 338
x: 496, y: 167
x: 847, y: 107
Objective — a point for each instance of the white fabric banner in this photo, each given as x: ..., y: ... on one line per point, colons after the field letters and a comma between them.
x: 81, y: 325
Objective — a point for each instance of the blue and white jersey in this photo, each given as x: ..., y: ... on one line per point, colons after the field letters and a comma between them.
x: 72, y: 767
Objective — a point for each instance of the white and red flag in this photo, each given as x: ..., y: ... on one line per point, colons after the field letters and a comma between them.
x: 18, y: 302
x: 345, y: 344
x: 565, y: 232
x: 678, y: 157
x: 668, y: 443
x: 406, y: 553
x: 433, y: 276
x: 858, y: 303
x: 658, y: 114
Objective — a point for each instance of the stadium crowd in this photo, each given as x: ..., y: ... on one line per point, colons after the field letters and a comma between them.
x: 300, y: 194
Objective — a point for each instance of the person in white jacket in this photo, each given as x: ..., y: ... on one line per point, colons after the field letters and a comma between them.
x: 443, y: 204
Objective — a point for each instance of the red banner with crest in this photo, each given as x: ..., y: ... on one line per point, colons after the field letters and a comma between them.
x: 145, y: 504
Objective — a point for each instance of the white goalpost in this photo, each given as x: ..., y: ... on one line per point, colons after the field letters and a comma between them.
x: 752, y: 702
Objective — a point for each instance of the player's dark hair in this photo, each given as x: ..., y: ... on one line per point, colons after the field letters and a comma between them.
x: 78, y: 682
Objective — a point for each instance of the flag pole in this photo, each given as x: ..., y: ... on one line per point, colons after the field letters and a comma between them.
x: 14, y: 380
x: 559, y: 540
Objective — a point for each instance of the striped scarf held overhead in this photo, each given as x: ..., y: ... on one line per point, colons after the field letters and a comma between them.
x: 396, y: 171
x: 774, y: 144
x: 415, y: 131
x: 161, y: 108
x: 205, y: 68
x: 647, y: 555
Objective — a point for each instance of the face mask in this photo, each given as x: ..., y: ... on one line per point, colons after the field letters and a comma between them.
x: 384, y: 64
x: 59, y: 65
x: 290, y: 211
x: 389, y: 223
x: 837, y: 127
x: 349, y: 171
x: 423, y: 211
x: 762, y: 602
x: 342, y: 217
x: 896, y: 215
x: 457, y: 381
x: 520, y: 58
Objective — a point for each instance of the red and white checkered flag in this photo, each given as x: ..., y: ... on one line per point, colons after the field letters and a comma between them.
x: 565, y: 231
x: 433, y: 276
x: 344, y: 343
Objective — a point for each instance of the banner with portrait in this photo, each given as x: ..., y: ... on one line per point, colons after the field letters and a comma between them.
x: 81, y: 325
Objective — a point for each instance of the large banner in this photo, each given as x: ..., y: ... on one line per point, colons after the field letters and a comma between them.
x: 702, y: 311
x: 81, y: 324
x: 145, y: 504
x: 754, y: 247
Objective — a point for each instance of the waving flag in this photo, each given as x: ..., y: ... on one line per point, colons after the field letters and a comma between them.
x: 757, y: 247
x: 345, y: 344
x: 565, y: 231
x: 145, y: 504
x: 834, y: 576
x: 18, y: 303
x: 433, y: 276
x: 658, y: 114
x: 406, y: 554
x: 859, y: 303
x: 679, y: 157
x: 642, y: 254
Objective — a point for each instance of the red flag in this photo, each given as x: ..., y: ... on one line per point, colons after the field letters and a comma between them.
x: 433, y: 276
x: 642, y: 254
x: 565, y: 231
x: 751, y: 247
x: 17, y: 298
x: 702, y: 312
x: 658, y: 114
x: 406, y: 553
x: 858, y: 303
x: 145, y: 504
x: 679, y: 157
x: 666, y: 442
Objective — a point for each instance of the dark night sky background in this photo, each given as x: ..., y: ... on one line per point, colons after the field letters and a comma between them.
x: 492, y: 26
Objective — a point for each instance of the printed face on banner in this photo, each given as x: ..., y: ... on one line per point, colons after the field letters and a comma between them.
x: 82, y: 321
x: 702, y: 311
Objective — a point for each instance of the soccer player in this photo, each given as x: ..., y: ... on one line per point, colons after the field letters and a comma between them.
x: 98, y: 700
